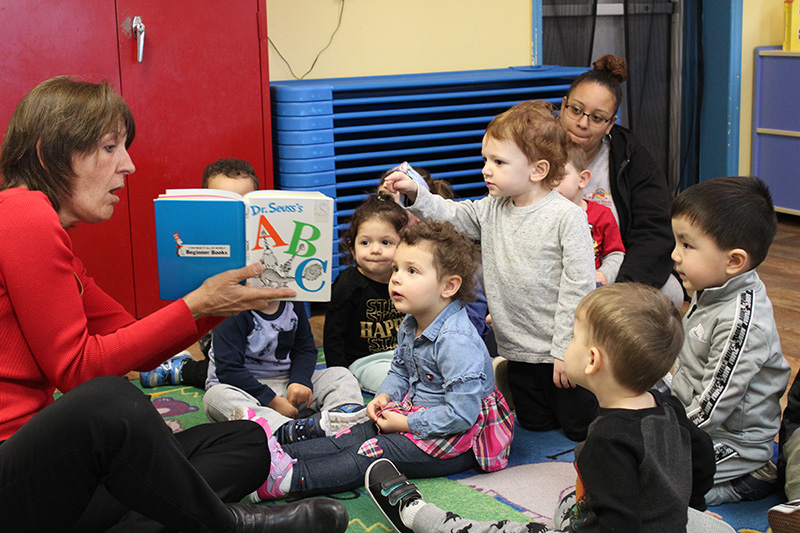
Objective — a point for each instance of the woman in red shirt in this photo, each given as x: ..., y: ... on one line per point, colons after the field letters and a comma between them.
x: 101, y: 455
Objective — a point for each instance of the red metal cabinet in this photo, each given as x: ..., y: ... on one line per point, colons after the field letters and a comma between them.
x: 200, y: 93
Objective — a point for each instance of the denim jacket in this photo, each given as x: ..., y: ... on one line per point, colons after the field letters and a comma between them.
x: 447, y: 370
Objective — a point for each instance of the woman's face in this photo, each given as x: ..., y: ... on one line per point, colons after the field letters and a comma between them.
x: 592, y: 99
x: 99, y: 174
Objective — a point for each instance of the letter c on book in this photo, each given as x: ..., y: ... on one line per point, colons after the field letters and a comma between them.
x: 298, y: 274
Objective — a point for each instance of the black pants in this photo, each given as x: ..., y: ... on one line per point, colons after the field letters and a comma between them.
x: 101, y: 458
x: 194, y: 373
x: 541, y: 406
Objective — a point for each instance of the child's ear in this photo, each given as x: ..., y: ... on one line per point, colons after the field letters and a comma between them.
x: 596, y: 360
x: 585, y: 177
x: 738, y: 262
x: 540, y: 169
x: 451, y: 285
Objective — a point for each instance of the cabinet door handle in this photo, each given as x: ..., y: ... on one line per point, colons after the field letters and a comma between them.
x: 138, y: 29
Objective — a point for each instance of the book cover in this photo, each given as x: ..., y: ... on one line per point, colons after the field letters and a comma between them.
x: 201, y: 232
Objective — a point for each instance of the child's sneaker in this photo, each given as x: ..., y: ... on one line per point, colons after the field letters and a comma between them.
x: 785, y: 518
x: 346, y: 415
x: 167, y: 373
x: 322, y: 424
x: 391, y: 491
x: 280, y: 462
x: 301, y: 429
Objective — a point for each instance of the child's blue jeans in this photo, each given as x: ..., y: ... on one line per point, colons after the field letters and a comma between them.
x: 334, y: 464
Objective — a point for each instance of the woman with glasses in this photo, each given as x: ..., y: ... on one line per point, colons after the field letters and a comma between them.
x: 625, y: 177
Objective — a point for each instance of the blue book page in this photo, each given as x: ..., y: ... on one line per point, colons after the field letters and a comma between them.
x: 196, y: 239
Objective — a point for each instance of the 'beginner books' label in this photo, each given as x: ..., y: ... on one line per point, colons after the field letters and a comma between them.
x: 201, y: 232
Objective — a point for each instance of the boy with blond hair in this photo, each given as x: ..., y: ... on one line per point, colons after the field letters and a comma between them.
x: 643, y: 464
x: 731, y: 372
x: 537, y: 260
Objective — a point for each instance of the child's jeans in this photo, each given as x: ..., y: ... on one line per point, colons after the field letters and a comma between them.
x: 749, y: 487
x: 336, y: 464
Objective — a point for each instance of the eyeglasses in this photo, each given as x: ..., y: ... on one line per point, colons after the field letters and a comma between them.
x: 576, y: 113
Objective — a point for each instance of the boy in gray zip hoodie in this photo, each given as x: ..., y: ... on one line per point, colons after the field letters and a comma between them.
x: 730, y: 373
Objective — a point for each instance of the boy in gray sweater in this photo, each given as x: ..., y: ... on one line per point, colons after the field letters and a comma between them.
x: 537, y: 258
x: 731, y: 372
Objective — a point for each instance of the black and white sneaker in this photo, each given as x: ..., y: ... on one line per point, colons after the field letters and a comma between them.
x: 301, y: 429
x: 391, y: 491
x: 785, y: 518
x: 322, y: 424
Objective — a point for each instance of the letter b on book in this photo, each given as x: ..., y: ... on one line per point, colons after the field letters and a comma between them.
x: 298, y: 240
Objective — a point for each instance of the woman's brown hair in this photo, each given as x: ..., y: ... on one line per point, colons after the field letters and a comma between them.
x: 57, y: 120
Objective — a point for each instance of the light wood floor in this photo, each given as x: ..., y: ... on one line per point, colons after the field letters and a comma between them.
x: 780, y: 272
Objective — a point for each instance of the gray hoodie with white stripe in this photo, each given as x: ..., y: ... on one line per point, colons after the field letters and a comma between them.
x: 731, y: 373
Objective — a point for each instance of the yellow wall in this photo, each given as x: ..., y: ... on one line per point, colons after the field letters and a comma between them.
x: 762, y: 25
x: 379, y: 37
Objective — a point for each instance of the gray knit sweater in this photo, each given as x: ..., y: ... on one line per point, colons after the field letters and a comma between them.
x: 538, y: 263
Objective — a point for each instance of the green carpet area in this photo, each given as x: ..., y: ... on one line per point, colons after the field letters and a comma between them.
x: 446, y: 493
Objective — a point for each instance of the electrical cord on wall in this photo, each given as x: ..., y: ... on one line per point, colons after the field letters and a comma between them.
x: 338, y: 24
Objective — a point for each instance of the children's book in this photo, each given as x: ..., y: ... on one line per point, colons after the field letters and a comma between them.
x: 202, y: 232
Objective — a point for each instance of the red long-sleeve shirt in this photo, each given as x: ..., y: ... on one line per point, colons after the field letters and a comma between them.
x: 58, y: 329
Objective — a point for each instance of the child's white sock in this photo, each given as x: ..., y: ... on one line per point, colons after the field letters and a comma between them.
x: 286, y: 483
x: 410, y: 510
